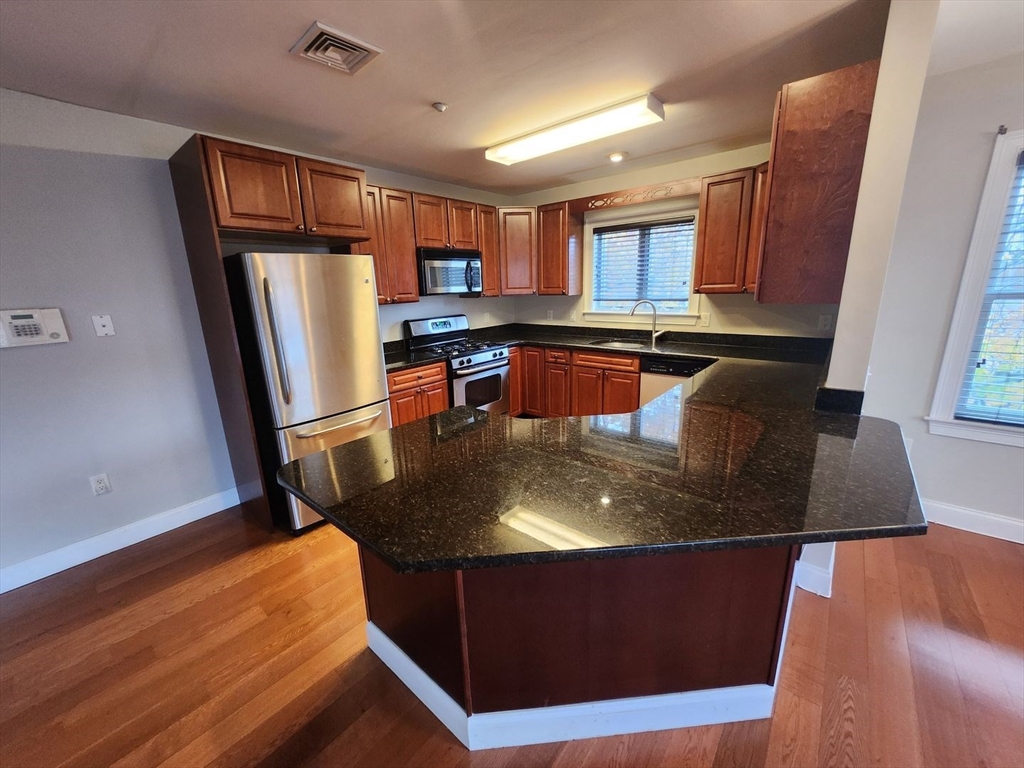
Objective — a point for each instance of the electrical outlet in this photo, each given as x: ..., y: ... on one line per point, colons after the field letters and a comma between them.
x: 487, y: 317
x: 551, y: 315
x: 824, y: 322
x: 103, y: 324
x: 705, y: 319
x: 572, y: 316
x: 100, y: 484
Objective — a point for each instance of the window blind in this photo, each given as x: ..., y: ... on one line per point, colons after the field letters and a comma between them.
x: 993, y: 387
x: 644, y: 261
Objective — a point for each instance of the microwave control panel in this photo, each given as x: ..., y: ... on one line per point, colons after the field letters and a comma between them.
x: 26, y: 327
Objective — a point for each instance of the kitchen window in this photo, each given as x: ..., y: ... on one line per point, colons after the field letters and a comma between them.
x: 980, y: 393
x: 636, y: 255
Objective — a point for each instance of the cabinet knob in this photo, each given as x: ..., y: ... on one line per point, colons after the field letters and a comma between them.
x: 312, y: 229
x: 300, y: 227
x: 419, y: 375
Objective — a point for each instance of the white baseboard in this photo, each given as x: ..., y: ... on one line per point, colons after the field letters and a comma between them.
x: 974, y: 520
x: 814, y: 569
x: 573, y: 721
x: 41, y: 566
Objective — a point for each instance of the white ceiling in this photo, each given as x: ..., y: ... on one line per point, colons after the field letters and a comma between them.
x: 971, y: 32
x: 505, y: 68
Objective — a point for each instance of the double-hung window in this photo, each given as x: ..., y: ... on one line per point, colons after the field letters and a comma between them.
x: 650, y: 260
x: 980, y: 394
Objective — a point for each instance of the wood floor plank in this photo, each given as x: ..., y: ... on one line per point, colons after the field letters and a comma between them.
x: 222, y: 644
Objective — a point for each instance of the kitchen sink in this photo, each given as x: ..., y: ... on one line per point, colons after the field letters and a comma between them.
x: 618, y: 344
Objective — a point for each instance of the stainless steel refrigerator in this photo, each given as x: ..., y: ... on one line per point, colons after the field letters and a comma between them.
x: 318, y: 332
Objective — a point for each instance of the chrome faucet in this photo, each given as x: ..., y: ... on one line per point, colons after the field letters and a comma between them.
x: 655, y: 333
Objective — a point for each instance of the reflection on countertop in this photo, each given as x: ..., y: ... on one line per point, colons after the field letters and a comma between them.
x: 734, y: 457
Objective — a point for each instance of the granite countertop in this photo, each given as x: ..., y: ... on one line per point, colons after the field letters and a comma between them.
x: 672, y: 344
x: 733, y: 457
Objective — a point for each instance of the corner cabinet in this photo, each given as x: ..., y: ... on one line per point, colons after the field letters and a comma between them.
x: 758, y: 217
x: 487, y: 224
x: 265, y: 191
x: 723, y: 232
x: 392, y: 244
x: 813, y: 179
x: 517, y: 251
x: 560, y: 251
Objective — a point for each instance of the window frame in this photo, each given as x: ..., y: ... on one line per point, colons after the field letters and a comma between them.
x: 970, y: 302
x: 639, y: 214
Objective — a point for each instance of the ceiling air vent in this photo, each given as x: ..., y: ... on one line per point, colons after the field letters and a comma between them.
x: 335, y: 49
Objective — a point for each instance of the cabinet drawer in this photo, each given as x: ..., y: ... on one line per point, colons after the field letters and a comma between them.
x: 608, y: 362
x: 416, y: 377
x: 556, y: 356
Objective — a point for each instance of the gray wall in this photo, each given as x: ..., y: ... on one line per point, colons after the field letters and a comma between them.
x: 98, y: 234
x: 960, y: 112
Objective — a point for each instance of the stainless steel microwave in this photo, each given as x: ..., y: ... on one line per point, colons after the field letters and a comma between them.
x: 450, y: 272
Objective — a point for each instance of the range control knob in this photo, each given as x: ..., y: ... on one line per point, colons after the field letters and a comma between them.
x: 501, y: 353
x: 462, y: 362
x: 494, y: 354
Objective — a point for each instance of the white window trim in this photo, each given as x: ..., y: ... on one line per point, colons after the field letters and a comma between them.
x: 661, y: 210
x: 969, y: 301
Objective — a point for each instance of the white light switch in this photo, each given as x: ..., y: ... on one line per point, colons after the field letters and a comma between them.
x: 103, y: 324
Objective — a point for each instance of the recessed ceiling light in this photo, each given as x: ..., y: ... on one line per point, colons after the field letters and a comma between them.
x: 596, y: 125
x: 617, y: 157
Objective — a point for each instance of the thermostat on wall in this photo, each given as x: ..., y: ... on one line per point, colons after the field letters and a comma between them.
x: 24, y: 327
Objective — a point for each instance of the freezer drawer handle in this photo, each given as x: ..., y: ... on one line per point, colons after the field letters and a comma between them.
x: 371, y: 417
x: 275, y: 339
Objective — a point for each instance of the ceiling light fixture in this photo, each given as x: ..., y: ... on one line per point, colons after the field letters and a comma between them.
x: 625, y: 116
x: 617, y: 157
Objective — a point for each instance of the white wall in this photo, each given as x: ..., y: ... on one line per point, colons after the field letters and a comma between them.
x: 482, y: 312
x: 956, y: 128
x: 95, y: 234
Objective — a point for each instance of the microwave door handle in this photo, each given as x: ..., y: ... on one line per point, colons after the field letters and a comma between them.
x: 469, y: 276
x: 275, y: 342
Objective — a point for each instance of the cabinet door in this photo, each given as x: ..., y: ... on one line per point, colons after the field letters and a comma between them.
x: 434, y: 398
x: 400, y: 239
x: 487, y: 219
x: 723, y: 232
x: 552, y: 257
x: 587, y: 391
x: 375, y: 245
x: 462, y: 225
x: 533, y: 381
x: 515, y: 382
x: 333, y: 200
x: 758, y: 215
x: 517, y: 250
x: 621, y: 392
x: 405, y: 407
x: 557, y: 390
x: 814, y: 178
x: 253, y: 188
x: 431, y: 217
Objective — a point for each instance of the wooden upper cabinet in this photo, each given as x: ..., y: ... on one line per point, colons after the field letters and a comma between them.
x: 375, y: 245
x: 813, y: 180
x: 560, y: 251
x: 333, y: 200
x: 253, y: 188
x: 758, y: 217
x: 431, y: 218
x: 400, y: 241
x: 723, y: 232
x: 517, y: 250
x: 487, y: 219
x: 462, y: 225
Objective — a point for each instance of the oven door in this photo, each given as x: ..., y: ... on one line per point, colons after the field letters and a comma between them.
x: 451, y: 276
x: 485, y: 388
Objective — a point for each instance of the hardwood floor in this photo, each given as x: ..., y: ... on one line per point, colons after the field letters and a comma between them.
x: 219, y: 644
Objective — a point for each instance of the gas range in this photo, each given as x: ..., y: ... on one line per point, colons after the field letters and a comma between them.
x: 478, y: 370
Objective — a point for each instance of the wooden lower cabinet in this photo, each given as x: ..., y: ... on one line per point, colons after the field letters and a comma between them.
x: 417, y: 393
x: 515, y: 382
x: 587, y: 391
x: 558, y: 384
x: 621, y: 392
x: 533, y: 381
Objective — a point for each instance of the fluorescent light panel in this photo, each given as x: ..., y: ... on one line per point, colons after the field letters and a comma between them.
x: 626, y: 116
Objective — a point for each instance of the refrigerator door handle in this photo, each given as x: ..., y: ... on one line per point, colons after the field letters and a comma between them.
x: 275, y: 340
x: 371, y: 417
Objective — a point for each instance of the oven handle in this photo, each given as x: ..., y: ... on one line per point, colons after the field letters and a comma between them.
x: 481, y: 369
